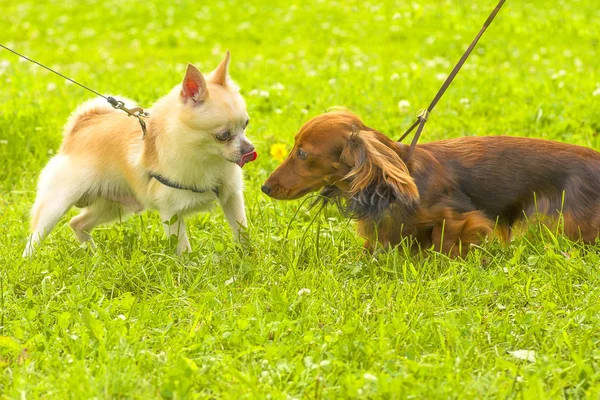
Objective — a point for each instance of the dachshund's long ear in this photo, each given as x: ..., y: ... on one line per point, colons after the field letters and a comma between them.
x: 378, y: 177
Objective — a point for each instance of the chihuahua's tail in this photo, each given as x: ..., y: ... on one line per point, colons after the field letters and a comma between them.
x: 90, y: 109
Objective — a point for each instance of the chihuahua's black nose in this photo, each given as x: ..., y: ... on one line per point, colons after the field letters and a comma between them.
x: 247, y: 147
x: 265, y: 189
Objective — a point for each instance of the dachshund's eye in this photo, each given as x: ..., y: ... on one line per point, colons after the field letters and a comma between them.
x: 302, y: 154
x: 223, y: 136
x: 246, y: 124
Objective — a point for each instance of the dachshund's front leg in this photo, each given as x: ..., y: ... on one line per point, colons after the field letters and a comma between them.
x: 454, y: 233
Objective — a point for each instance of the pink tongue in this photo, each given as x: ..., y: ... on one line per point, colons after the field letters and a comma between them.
x: 248, y: 157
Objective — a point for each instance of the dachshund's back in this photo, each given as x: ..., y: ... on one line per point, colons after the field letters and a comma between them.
x: 510, y: 177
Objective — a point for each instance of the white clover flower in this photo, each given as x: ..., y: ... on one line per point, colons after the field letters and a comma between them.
x: 440, y: 77
x: 278, y: 86
x: 258, y: 92
x: 465, y: 102
x: 395, y: 76
x: 559, y: 74
x: 229, y: 281
x: 404, y: 106
x: 596, y: 92
x: 528, y: 355
x: 370, y: 377
x: 303, y: 291
x: 332, y: 81
x: 244, y: 26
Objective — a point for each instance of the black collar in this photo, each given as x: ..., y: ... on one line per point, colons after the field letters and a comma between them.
x: 175, y: 185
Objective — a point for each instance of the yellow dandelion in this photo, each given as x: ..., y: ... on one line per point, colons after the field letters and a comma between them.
x: 278, y: 152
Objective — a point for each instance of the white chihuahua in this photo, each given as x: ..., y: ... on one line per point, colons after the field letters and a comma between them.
x: 192, y: 154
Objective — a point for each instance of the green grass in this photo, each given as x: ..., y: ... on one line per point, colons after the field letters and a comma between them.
x: 304, y: 312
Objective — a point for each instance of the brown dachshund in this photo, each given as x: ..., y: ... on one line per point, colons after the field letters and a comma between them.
x: 450, y: 193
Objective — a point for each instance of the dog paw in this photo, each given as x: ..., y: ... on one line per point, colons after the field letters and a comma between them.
x: 88, y: 244
x: 184, y: 247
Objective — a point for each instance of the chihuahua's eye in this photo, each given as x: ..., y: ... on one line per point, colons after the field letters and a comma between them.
x: 302, y: 154
x: 246, y: 124
x: 223, y: 136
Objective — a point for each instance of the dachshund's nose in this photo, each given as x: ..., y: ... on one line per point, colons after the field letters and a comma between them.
x: 265, y: 189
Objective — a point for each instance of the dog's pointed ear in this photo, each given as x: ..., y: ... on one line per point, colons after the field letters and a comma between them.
x: 378, y: 177
x: 221, y: 74
x: 193, y: 86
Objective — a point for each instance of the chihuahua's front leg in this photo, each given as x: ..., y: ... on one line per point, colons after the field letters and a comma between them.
x: 174, y: 225
x: 233, y: 207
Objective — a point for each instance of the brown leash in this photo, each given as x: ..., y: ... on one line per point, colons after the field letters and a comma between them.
x: 424, y: 114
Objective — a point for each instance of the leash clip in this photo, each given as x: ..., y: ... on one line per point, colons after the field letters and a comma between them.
x: 423, y: 115
x: 137, y: 112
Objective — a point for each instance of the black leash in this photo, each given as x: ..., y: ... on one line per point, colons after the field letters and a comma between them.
x: 136, y: 112
x: 424, y: 114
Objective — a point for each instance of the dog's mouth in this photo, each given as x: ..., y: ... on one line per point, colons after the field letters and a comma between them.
x: 246, y: 158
